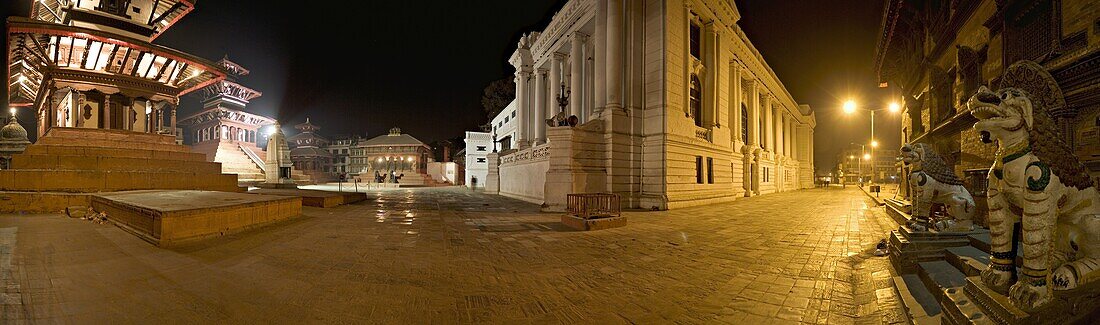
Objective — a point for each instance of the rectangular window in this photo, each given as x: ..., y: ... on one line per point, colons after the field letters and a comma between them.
x: 480, y: 148
x: 765, y: 174
x: 513, y: 113
x: 710, y: 170
x: 505, y: 119
x: 695, y: 45
x: 699, y: 169
x: 481, y: 160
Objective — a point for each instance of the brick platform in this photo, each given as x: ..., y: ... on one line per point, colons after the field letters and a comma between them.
x: 167, y: 218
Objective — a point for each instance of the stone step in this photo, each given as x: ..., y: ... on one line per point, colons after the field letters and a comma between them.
x: 940, y: 275
x: 980, y: 241
x: 103, y: 163
x: 920, y: 303
x: 110, y: 135
x: 87, y: 181
x: 907, y: 247
x: 105, y: 143
x: 971, y: 261
x: 53, y: 150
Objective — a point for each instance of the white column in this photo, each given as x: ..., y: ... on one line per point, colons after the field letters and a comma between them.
x: 710, y: 76
x: 768, y: 124
x: 521, y: 108
x: 576, y: 66
x: 791, y: 149
x: 754, y: 115
x: 599, y: 82
x: 539, y: 135
x: 614, y: 66
x: 556, y: 62
x: 735, y: 103
x: 781, y: 131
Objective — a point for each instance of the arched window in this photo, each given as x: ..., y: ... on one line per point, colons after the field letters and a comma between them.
x: 744, y: 123
x: 695, y: 100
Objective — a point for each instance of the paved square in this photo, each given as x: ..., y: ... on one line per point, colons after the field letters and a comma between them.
x: 454, y: 256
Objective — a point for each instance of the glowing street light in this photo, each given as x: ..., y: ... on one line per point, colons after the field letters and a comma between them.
x: 849, y: 107
x: 12, y: 110
x: 893, y: 107
x: 867, y: 156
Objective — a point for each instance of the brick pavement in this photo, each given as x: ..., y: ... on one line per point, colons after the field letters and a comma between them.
x: 453, y: 256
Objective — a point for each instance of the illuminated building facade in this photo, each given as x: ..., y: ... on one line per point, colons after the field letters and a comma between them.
x: 673, y: 103
x: 394, y: 152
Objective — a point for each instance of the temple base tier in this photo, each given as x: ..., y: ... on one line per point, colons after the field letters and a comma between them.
x: 79, y: 160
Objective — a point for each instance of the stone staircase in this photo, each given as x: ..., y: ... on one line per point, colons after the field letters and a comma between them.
x: 95, y: 160
x: 235, y: 159
x: 941, y: 283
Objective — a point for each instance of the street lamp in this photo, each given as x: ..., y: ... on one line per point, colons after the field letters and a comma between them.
x: 850, y: 108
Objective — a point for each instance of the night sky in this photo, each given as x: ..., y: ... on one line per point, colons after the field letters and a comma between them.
x: 425, y: 65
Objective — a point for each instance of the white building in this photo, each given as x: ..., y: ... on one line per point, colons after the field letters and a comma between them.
x: 505, y: 126
x: 668, y: 95
x: 478, y: 147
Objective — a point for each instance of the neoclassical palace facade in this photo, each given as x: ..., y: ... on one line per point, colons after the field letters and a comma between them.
x: 674, y: 107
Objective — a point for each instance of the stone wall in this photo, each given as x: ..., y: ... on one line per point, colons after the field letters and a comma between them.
x: 523, y: 173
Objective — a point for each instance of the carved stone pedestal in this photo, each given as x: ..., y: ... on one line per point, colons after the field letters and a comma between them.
x: 976, y: 303
x: 908, y: 247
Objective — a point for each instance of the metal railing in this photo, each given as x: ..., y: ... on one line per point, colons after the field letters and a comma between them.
x: 593, y: 205
x: 255, y: 158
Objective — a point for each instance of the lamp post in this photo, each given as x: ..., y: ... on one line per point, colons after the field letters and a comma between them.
x: 850, y: 108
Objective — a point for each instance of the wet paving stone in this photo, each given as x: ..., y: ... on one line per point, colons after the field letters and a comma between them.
x: 448, y: 255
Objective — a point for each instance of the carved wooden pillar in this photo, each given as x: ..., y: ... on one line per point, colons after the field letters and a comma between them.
x: 106, y: 110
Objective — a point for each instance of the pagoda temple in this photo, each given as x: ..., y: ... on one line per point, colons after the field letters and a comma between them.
x: 93, y: 65
x: 224, y: 130
x: 105, y: 100
x: 307, y: 151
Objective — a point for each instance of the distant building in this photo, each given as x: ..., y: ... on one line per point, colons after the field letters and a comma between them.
x: 855, y: 169
x: 308, y: 153
x: 505, y: 126
x: 340, y: 148
x: 391, y: 154
x: 478, y: 147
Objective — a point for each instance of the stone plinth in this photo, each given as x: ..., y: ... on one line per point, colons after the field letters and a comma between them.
x: 314, y: 198
x: 975, y: 303
x: 492, y: 177
x: 908, y: 247
x: 577, y: 156
x: 168, y: 218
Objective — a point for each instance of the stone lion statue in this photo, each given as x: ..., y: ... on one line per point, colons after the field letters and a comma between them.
x: 1036, y: 181
x: 933, y: 181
